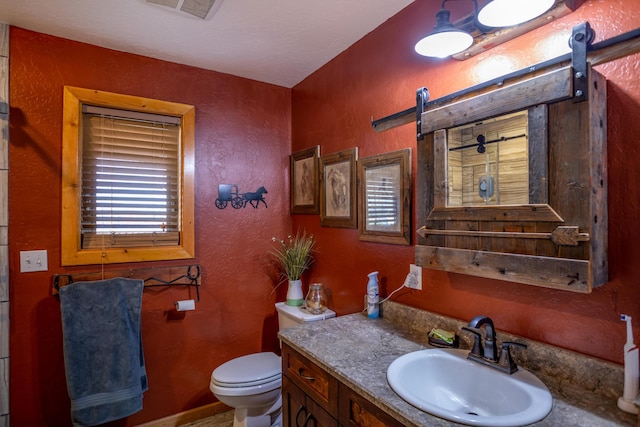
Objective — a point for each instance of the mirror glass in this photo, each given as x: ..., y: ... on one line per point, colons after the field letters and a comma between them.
x: 488, y: 162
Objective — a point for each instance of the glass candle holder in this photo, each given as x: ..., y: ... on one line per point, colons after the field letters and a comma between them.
x: 316, y: 299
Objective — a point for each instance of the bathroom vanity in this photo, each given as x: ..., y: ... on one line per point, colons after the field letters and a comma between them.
x: 312, y: 396
x: 334, y: 373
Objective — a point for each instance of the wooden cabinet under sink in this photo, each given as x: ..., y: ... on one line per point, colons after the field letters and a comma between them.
x: 311, y: 397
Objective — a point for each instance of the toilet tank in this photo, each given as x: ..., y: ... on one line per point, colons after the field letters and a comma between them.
x: 289, y: 316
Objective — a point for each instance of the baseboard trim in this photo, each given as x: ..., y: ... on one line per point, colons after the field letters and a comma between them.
x: 189, y: 416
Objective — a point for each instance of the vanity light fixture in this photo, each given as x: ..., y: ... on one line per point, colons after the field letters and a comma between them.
x: 448, y: 38
x: 445, y: 39
x: 506, y: 13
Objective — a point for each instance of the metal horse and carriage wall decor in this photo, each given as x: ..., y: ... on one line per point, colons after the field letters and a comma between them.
x: 228, y: 193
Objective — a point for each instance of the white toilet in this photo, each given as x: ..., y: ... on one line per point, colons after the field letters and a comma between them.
x: 252, y: 384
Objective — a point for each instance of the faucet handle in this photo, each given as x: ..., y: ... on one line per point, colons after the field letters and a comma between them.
x: 477, y: 349
x: 506, y: 361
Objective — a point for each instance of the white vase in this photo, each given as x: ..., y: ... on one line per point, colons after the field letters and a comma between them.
x: 294, y: 293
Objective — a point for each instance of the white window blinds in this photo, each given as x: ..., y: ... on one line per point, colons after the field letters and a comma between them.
x: 130, y: 179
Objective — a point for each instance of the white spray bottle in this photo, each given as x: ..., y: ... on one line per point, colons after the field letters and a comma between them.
x: 373, y: 296
x: 631, y: 371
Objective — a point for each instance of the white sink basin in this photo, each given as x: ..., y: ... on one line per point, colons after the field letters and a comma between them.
x: 444, y: 383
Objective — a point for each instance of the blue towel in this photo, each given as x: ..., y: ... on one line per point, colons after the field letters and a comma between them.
x: 103, y: 355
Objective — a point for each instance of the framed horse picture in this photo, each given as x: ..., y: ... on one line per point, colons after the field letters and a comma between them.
x: 305, y: 192
x: 338, y: 189
x: 384, y: 198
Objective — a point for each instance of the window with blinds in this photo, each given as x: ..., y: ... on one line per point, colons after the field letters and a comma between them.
x: 127, y: 179
x: 130, y: 179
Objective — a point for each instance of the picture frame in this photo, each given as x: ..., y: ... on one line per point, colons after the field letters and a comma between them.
x: 384, y: 198
x: 304, y: 181
x: 338, y: 207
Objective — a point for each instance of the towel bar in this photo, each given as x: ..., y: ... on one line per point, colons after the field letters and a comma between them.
x: 154, y: 277
x: 192, y: 276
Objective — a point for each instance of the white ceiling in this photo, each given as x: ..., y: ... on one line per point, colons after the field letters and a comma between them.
x: 273, y: 41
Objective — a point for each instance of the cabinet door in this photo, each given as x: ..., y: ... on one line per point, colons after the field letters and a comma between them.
x: 318, y: 417
x: 293, y: 404
x: 355, y: 411
x: 299, y: 410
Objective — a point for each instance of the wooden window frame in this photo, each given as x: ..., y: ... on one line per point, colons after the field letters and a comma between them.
x: 72, y: 252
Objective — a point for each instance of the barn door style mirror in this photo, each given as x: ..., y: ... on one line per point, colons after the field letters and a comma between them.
x: 512, y: 183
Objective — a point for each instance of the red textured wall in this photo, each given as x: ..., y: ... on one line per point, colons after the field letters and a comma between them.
x: 379, y: 76
x: 242, y: 137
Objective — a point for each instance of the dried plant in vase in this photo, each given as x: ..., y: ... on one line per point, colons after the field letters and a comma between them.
x: 295, y: 256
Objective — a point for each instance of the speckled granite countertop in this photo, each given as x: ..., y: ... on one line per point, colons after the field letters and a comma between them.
x: 357, y: 351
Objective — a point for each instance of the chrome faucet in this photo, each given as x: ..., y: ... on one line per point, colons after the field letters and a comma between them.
x: 487, y: 353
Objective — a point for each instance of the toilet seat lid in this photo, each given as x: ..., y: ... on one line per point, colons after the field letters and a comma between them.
x: 252, y: 369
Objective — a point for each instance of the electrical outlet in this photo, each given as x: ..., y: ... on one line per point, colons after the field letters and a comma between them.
x: 414, y: 278
x: 33, y: 261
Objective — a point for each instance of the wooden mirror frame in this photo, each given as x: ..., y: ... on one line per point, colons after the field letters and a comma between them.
x: 559, y: 243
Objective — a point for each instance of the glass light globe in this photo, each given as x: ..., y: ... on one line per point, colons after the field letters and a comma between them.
x: 506, y: 13
x: 443, y: 44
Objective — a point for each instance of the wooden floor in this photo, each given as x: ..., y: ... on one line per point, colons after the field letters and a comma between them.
x: 212, y: 415
x: 224, y: 419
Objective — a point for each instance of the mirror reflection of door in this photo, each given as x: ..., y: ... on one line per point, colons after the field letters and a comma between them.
x: 488, y: 162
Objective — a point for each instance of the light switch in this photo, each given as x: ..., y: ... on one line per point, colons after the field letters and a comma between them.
x: 33, y: 261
